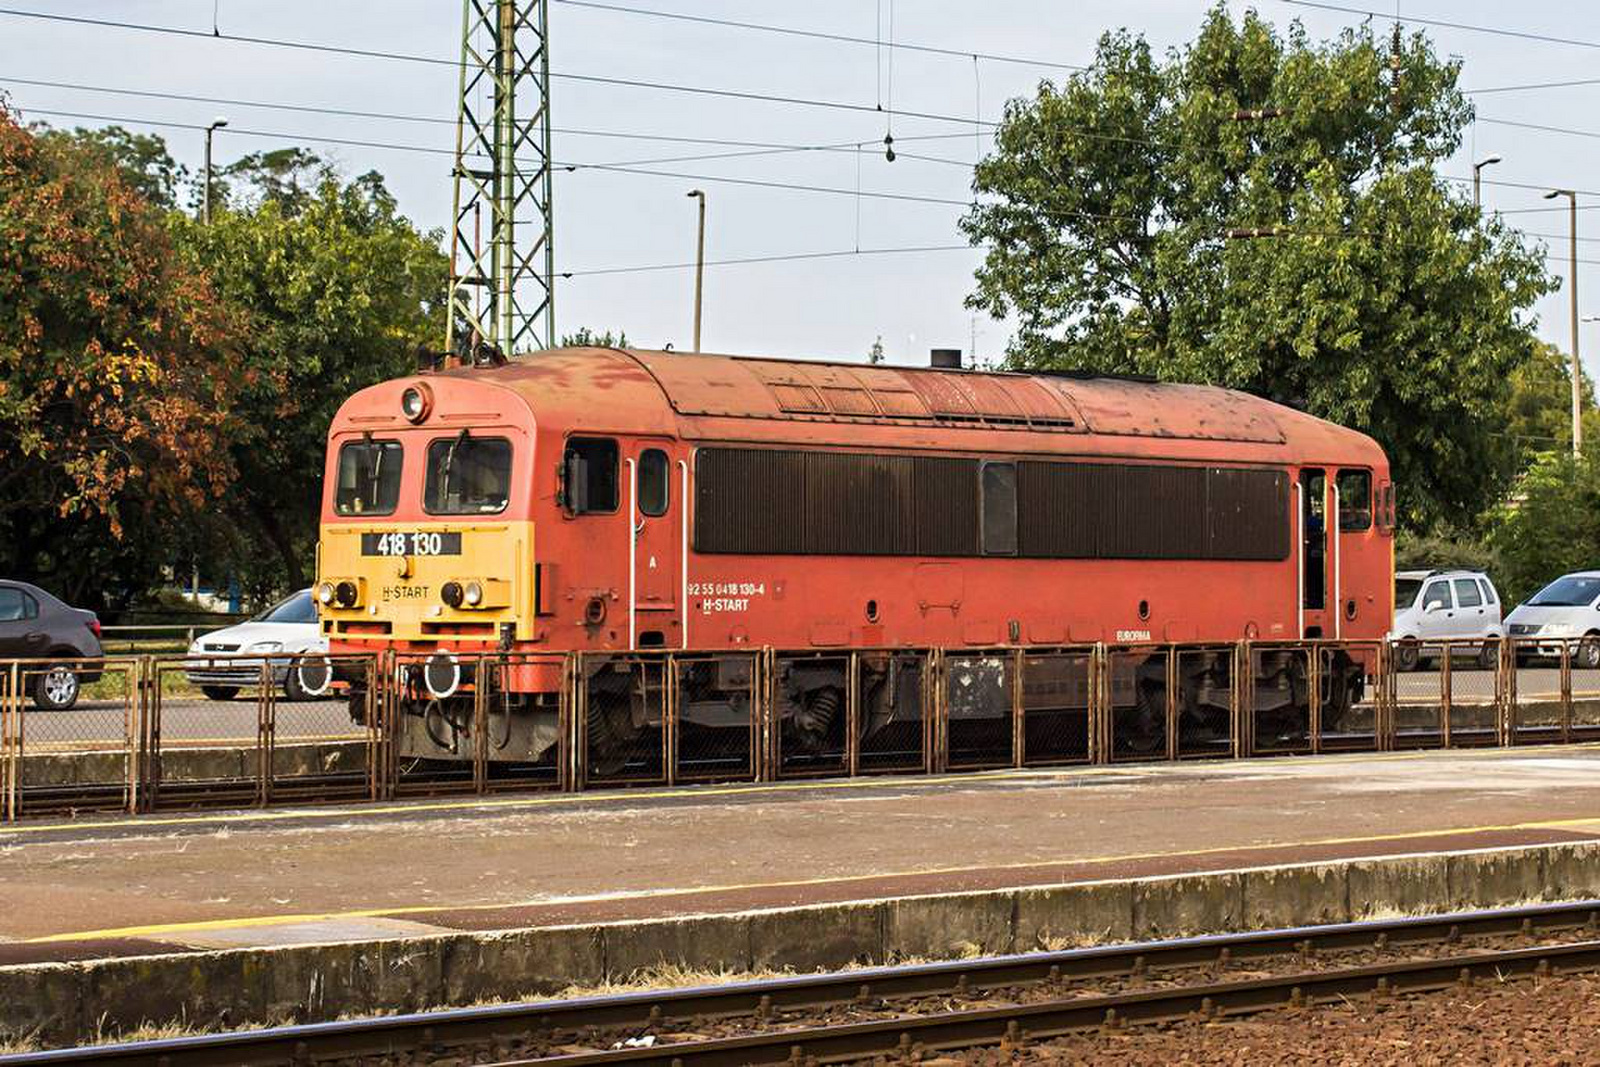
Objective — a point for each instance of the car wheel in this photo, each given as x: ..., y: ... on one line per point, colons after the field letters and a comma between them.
x: 56, y: 689
x: 1407, y: 655
x: 1489, y: 655
x: 1587, y: 657
x: 293, y: 691
x: 219, y: 692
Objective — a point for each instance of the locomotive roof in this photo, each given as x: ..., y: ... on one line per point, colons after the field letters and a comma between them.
x: 720, y: 397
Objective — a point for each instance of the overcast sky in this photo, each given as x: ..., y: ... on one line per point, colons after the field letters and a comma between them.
x: 824, y: 307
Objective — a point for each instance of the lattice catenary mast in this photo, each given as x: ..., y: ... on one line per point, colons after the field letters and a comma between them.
x: 502, y: 258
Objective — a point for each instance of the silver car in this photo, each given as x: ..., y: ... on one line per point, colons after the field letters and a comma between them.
x: 1565, y: 612
x: 1431, y: 607
x: 288, y: 628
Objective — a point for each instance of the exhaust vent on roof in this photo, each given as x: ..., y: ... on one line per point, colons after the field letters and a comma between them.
x: 945, y: 358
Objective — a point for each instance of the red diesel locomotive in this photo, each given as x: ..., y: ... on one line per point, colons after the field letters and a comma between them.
x: 609, y: 500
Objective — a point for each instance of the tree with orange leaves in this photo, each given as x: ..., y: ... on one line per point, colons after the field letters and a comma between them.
x: 118, y: 368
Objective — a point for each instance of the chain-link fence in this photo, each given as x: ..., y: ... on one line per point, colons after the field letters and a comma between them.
x: 1284, y: 693
x: 213, y: 730
x: 807, y: 696
x: 1142, y: 703
x: 69, y: 736
x: 1580, y: 667
x: 622, y: 719
x: 320, y: 730
x: 205, y: 743
x: 1536, y: 697
x: 891, y: 711
x: 981, y: 704
x: 715, y: 725
x: 1351, y: 708
x: 1057, y: 692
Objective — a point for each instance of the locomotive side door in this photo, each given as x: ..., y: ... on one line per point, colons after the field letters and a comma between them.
x: 1317, y: 552
x: 655, y: 508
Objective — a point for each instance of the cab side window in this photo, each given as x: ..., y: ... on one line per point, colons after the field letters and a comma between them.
x: 1437, y: 595
x: 654, y: 482
x: 1355, y: 500
x: 589, y: 476
x: 1467, y: 594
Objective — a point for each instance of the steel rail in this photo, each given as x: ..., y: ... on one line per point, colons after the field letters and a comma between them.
x: 389, y: 1035
x: 1016, y: 1023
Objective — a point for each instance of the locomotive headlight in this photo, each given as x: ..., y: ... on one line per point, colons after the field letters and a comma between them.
x: 473, y: 594
x: 325, y: 593
x: 346, y: 594
x: 452, y: 594
x: 416, y: 402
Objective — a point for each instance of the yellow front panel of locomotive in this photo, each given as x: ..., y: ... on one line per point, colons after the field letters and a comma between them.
x: 400, y: 572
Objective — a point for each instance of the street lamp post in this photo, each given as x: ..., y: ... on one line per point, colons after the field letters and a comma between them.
x: 1572, y: 286
x: 699, y: 264
x: 1477, y: 178
x: 205, y: 196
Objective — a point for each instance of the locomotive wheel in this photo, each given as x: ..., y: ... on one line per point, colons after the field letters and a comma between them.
x: 1148, y: 733
x: 610, y: 737
x: 1336, y: 692
x: 812, y: 726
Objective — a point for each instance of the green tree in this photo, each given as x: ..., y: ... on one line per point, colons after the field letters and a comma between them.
x: 1538, y: 415
x: 146, y: 166
x: 587, y: 338
x: 118, y: 371
x: 1386, y: 302
x: 339, y: 289
x: 1444, y: 548
x: 1550, y: 525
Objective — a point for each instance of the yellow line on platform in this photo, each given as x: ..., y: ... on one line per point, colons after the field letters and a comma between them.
x: 367, y: 809
x: 159, y: 930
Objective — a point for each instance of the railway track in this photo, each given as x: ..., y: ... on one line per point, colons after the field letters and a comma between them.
x: 968, y: 1003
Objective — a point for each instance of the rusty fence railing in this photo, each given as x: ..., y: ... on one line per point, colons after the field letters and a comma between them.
x: 162, y: 733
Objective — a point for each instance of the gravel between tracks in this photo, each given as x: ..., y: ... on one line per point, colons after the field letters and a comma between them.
x: 1397, y: 1028
x: 1549, y: 1021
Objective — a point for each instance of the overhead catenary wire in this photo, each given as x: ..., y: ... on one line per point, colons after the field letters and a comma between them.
x: 572, y: 166
x: 596, y: 79
x: 765, y: 146
x: 567, y: 165
x: 1468, y: 27
x: 1498, y: 31
x: 775, y: 258
x: 904, y: 46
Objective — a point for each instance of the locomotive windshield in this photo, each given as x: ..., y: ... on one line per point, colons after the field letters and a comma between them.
x: 369, y: 478
x: 467, y: 475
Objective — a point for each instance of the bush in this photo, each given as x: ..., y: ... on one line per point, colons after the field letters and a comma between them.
x: 1550, y: 525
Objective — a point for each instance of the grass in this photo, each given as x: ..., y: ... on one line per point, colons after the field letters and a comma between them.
x: 117, y: 684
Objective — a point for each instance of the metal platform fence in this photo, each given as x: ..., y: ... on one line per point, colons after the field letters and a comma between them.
x: 170, y: 732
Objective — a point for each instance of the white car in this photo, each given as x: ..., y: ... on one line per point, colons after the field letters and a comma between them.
x: 1565, y: 612
x: 1435, y: 606
x: 288, y: 628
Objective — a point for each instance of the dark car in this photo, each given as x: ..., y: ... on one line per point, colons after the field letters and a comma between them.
x: 35, y: 625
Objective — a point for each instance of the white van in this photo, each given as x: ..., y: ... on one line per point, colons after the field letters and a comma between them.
x: 1565, y: 612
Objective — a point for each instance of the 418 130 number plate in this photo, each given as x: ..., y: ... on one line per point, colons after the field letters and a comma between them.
x: 411, y: 543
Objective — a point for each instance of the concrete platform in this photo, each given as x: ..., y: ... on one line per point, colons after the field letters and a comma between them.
x: 309, y: 914
x: 88, y: 889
